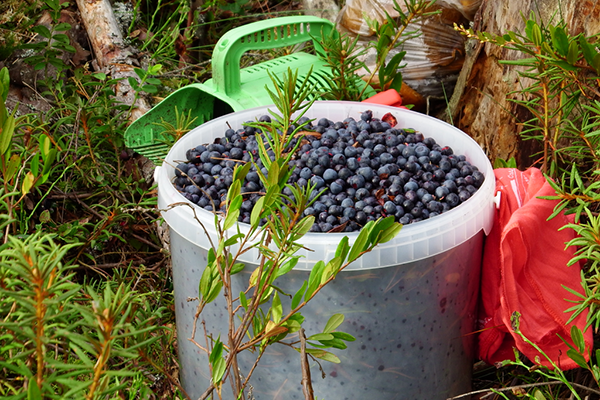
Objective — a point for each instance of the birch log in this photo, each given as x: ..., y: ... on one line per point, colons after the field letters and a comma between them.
x: 110, y: 51
x: 480, y: 104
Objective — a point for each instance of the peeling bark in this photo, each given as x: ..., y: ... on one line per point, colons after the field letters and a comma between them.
x: 111, y: 53
x: 480, y: 105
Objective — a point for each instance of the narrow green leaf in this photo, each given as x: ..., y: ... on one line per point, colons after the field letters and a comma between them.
x: 28, y: 182
x: 217, y: 351
x: 234, y: 239
x: 573, y: 54
x: 560, y: 41
x: 390, y: 233
x: 343, y: 248
x: 314, y: 279
x: 334, y: 321
x: 218, y: 370
x: 287, y: 267
x: 578, y: 358
x: 343, y: 336
x: 150, y: 89
x: 231, y: 218
x: 596, y: 63
x: 577, y: 338
x: 240, y: 172
x: 588, y: 50
x: 303, y: 227
x: 324, y: 355
x: 243, y: 300
x: 538, y: 395
x: 237, y: 268
x: 214, y: 290
x: 6, y: 135
x: 360, y: 243
x: 13, y: 165
x: 205, y: 282
x: 276, y: 308
x: 256, y: 212
x: 321, y: 336
x: 298, y: 296
x: 33, y: 390
x: 273, y: 175
x: 232, y: 194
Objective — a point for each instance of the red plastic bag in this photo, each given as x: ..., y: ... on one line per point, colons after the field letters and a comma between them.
x: 524, y: 269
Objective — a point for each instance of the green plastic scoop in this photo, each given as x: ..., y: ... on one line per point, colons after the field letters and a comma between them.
x: 231, y: 88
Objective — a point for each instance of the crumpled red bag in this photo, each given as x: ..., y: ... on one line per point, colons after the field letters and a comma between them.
x: 524, y: 268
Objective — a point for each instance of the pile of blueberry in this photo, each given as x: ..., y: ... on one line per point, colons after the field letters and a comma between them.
x: 368, y: 168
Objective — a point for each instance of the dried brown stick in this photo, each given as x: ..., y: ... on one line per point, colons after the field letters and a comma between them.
x: 307, y: 388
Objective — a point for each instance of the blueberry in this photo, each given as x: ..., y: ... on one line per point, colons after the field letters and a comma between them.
x: 441, y: 192
x: 464, y: 195
x: 335, y: 188
x: 357, y: 181
x: 317, y: 182
x: 347, y: 203
x: 452, y: 200
x: 411, y: 186
x: 389, y: 207
x: 361, y: 193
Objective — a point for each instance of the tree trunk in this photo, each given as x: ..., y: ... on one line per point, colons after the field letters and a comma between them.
x: 480, y: 104
x: 110, y: 51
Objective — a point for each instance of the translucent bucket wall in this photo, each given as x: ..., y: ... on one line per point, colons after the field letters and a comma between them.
x: 411, y: 303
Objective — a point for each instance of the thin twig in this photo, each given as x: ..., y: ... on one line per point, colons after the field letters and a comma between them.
x: 307, y: 388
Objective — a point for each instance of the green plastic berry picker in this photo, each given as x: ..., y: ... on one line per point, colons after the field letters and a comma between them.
x: 233, y: 89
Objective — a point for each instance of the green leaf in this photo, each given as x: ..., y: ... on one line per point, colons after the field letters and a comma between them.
x: 28, y: 182
x: 314, y: 279
x: 302, y: 227
x: 276, y: 308
x: 298, y: 296
x: 231, y: 218
x: 390, y: 233
x: 217, y: 351
x: 133, y: 83
x: 343, y: 336
x: 154, y: 81
x: 273, y: 175
x: 150, y: 89
x: 42, y: 31
x: 13, y: 165
x: 205, y: 282
x: 6, y: 134
x: 577, y: 338
x: 234, y: 239
x: 243, y: 300
x: 361, y: 242
x: 140, y: 73
x: 588, y: 50
x: 62, y: 27
x: 324, y: 355
x: 343, y: 248
x: 573, y: 54
x: 4, y: 84
x: 218, y: 370
x: 214, y: 290
x: 538, y: 395
x: 578, y: 358
x: 240, y: 172
x: 287, y: 267
x: 321, y: 336
x: 49, y: 161
x: 237, y: 268
x: 335, y: 321
x: 560, y: 41
x: 596, y: 63
x: 33, y: 390
x: 99, y: 75
x: 257, y: 211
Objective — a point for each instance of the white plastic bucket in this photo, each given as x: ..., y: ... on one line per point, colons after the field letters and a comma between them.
x: 411, y: 303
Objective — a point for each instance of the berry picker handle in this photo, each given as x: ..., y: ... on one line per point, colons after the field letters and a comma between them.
x: 267, y: 34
